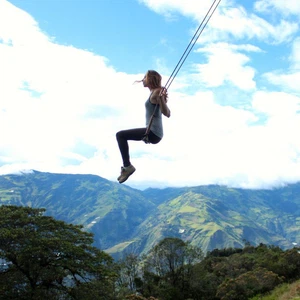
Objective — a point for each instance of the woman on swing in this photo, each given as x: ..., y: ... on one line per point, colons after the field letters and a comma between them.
x: 156, y: 105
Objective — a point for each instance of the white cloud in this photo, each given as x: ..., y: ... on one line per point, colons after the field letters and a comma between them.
x: 230, y: 20
x: 218, y: 144
x: 47, y: 92
x: 24, y: 31
x: 226, y: 64
x: 287, y: 81
x: 61, y: 107
x: 291, y: 7
x: 280, y: 132
x: 295, y: 55
x: 169, y: 7
x: 277, y: 104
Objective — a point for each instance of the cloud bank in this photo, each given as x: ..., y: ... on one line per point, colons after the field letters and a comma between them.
x: 232, y: 122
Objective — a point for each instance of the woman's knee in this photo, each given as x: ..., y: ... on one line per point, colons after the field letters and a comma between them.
x: 119, y: 134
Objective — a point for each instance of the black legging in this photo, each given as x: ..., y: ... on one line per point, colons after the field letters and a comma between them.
x: 136, y: 134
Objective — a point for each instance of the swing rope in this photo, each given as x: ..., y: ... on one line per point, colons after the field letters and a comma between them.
x: 193, y: 41
x: 183, y: 58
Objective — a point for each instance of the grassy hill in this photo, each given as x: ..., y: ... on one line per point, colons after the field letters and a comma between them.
x: 218, y: 217
x: 129, y: 220
x: 283, y: 292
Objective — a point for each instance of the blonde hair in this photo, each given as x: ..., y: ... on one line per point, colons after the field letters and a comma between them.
x: 154, y: 79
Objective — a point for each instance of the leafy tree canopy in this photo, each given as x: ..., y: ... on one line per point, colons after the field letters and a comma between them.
x: 43, y: 257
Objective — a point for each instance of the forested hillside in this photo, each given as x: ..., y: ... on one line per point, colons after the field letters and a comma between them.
x: 44, y: 258
x: 125, y: 220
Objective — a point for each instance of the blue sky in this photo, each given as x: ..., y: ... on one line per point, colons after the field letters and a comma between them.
x: 67, y: 70
x: 113, y: 29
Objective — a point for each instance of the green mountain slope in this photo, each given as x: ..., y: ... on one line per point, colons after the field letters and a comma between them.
x: 128, y: 220
x: 110, y: 210
x: 218, y: 217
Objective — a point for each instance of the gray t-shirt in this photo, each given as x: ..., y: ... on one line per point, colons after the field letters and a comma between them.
x: 156, y: 126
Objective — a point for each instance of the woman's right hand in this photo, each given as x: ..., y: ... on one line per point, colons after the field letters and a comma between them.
x: 164, y: 94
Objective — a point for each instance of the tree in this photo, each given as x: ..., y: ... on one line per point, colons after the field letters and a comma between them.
x: 205, y: 279
x: 169, y: 265
x: 46, y: 258
x: 248, y: 284
x: 129, y: 279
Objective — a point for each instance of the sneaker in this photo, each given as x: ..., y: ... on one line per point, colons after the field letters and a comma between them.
x: 125, y: 173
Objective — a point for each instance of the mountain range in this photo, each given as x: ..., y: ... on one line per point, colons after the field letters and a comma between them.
x: 126, y: 220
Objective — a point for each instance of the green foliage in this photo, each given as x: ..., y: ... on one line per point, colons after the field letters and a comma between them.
x: 175, y: 270
x: 167, y: 269
x: 128, y: 280
x: 138, y: 297
x: 284, y: 291
x: 46, y: 258
x: 245, y: 273
x: 248, y: 284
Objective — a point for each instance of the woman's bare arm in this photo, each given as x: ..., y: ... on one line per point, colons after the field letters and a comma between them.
x: 161, y: 98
